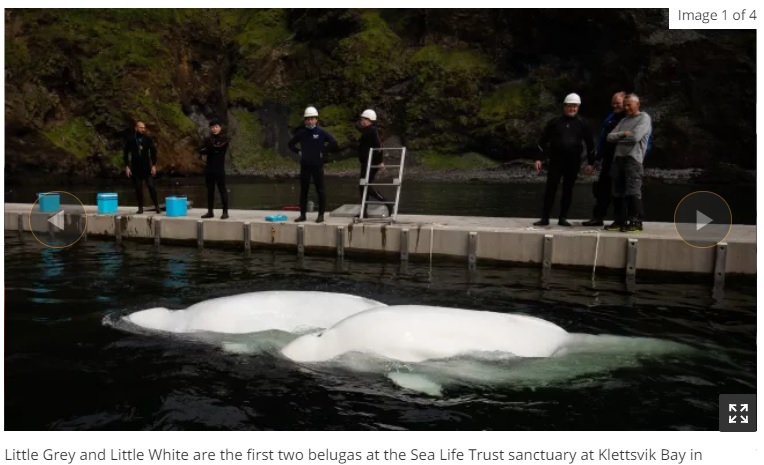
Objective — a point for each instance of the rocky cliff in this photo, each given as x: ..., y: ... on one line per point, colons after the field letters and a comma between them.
x: 443, y: 82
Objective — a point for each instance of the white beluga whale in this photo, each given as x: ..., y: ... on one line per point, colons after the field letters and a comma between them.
x: 289, y: 311
x: 415, y: 333
x: 423, y: 348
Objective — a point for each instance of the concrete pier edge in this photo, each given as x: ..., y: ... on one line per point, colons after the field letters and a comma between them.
x: 475, y: 240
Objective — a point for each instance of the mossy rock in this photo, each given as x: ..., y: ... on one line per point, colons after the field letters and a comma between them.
x: 76, y: 137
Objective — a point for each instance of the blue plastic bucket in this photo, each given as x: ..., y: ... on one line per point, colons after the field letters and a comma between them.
x: 176, y: 205
x: 49, y: 201
x: 107, y: 203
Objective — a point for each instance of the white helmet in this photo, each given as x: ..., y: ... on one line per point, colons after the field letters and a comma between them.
x: 573, y: 98
x: 310, y: 112
x: 369, y: 114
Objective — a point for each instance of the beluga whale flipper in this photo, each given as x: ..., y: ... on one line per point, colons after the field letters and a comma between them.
x: 290, y: 311
x: 414, y: 333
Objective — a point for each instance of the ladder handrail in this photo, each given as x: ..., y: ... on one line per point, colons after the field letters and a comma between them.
x: 398, y: 184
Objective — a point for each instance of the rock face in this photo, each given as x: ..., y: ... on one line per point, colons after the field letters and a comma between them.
x: 442, y: 82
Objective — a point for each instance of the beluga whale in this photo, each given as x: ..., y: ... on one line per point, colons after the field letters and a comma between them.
x: 252, y: 312
x: 416, y: 333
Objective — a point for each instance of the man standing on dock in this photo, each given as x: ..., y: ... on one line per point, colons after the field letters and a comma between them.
x: 140, y: 159
x: 631, y: 137
x: 314, y: 142
x: 370, y: 140
x: 215, y: 147
x: 563, y: 140
x: 603, y: 187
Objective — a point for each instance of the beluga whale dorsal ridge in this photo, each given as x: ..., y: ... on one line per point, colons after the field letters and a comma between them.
x: 414, y: 333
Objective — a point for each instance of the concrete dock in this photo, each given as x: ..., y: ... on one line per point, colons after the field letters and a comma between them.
x: 472, y: 239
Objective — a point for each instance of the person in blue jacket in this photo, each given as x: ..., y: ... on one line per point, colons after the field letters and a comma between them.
x: 314, y: 143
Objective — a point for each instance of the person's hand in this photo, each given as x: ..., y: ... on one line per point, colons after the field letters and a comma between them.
x: 627, y: 133
x: 538, y: 165
x: 127, y: 171
x: 154, y: 170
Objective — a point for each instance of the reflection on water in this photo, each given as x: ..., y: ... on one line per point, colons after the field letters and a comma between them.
x: 57, y: 300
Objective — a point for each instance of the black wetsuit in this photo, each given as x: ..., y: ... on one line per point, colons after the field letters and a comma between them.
x: 140, y: 154
x: 603, y: 188
x: 370, y: 139
x: 562, y: 142
x: 215, y: 148
x: 314, y: 142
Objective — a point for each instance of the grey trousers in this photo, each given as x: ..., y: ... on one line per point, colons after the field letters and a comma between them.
x: 627, y: 177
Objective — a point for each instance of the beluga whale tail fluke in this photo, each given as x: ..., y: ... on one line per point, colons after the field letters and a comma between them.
x: 415, y: 333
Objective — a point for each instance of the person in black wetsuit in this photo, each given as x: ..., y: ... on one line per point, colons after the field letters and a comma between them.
x: 603, y: 187
x: 140, y: 159
x: 370, y: 140
x: 562, y: 141
x: 215, y: 147
x: 314, y: 142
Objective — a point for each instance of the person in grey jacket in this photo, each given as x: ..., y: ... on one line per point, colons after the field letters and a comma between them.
x: 630, y: 136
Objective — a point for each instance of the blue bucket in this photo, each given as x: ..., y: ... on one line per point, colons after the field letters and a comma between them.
x: 107, y: 203
x: 276, y: 218
x: 49, y: 201
x: 176, y: 205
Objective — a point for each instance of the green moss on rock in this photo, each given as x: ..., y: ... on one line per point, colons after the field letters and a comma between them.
x: 75, y: 137
x: 370, y: 58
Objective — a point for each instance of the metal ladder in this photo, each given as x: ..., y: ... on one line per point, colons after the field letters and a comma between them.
x: 396, y: 182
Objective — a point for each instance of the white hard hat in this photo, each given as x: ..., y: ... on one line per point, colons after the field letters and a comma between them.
x: 573, y: 98
x: 310, y: 112
x: 369, y: 114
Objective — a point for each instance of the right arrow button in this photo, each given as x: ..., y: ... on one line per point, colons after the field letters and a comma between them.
x: 703, y: 219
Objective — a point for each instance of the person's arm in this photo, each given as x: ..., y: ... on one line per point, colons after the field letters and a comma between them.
x: 616, y: 135
x: 544, y: 140
x: 601, y: 138
x: 203, y: 150
x: 640, y: 131
x: 126, y: 156
x: 332, y: 145
x: 295, y: 138
x: 375, y: 143
x: 153, y: 156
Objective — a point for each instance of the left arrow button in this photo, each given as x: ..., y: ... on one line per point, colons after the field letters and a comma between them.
x: 57, y: 220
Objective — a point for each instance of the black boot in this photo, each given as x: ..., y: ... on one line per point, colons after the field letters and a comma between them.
x: 208, y: 214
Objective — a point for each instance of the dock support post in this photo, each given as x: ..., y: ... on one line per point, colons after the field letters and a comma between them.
x: 200, y: 234
x: 83, y: 221
x: 247, y: 237
x: 157, y: 231
x: 631, y: 259
x: 300, y: 239
x: 720, y: 267
x: 21, y: 224
x: 118, y: 228
x: 472, y: 259
x: 404, y: 245
x: 340, y: 241
x: 548, y: 247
